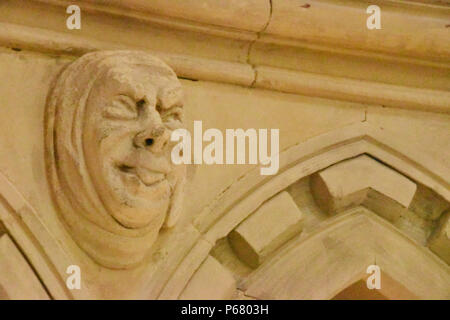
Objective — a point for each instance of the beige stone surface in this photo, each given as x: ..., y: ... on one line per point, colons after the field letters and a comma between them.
x: 341, y: 88
x: 310, y: 59
x: 365, y: 113
x: 266, y: 109
x: 114, y: 30
x: 252, y: 13
x: 18, y: 280
x: 230, y: 50
x: 108, y: 157
x: 211, y: 281
x: 340, y: 260
x: 427, y: 204
x: 423, y: 129
x: 440, y: 240
x: 363, y: 180
x: 347, y: 28
x: 274, y: 223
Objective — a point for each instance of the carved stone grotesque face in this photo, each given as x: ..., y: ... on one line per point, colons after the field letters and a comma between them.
x: 109, y: 121
x: 129, y: 118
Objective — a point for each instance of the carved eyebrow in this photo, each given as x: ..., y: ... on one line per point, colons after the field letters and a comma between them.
x: 121, y: 107
x: 172, y: 111
x: 124, y: 100
x: 173, y: 117
x: 171, y: 98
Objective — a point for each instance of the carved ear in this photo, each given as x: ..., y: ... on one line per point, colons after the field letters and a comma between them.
x: 176, y: 204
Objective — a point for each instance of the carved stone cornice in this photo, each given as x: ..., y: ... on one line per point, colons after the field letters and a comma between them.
x: 276, y: 45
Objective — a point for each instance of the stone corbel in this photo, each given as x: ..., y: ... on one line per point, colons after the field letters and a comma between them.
x: 108, y: 124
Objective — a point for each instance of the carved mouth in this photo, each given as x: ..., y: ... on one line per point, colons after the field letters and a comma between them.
x: 147, y: 176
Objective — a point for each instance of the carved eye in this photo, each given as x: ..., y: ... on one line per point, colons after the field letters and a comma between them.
x: 122, y: 108
x: 172, y: 117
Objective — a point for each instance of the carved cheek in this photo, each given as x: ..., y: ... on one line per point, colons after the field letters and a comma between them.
x: 114, y: 141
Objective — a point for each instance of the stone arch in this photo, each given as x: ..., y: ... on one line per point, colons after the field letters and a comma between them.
x: 337, y: 255
x: 252, y: 190
x: 24, y: 226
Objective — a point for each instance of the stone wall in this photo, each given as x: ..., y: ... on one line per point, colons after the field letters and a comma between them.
x: 364, y: 152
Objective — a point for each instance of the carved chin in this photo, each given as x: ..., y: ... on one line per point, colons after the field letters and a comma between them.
x: 142, y: 197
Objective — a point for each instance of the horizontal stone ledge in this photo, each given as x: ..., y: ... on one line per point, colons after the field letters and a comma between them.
x: 355, y: 64
x: 361, y: 91
x: 408, y: 28
x: 185, y: 66
x: 154, y: 13
x: 277, y: 79
x: 249, y: 15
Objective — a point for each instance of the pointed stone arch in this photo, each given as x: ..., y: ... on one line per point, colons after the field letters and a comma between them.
x: 26, y: 228
x: 247, y: 194
x: 338, y: 254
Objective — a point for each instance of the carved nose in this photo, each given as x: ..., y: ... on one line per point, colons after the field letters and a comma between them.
x: 152, y: 139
